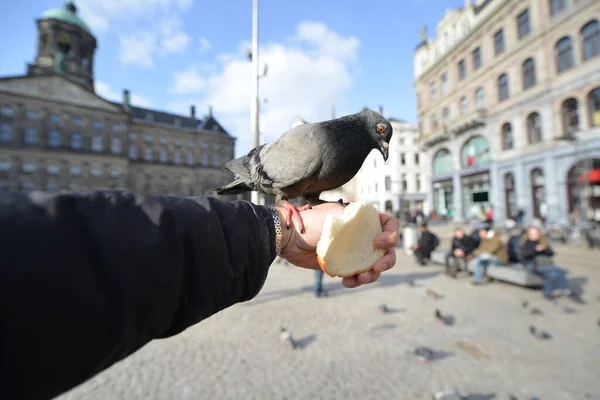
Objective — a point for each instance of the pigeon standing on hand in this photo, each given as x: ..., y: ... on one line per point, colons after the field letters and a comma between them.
x: 309, y: 159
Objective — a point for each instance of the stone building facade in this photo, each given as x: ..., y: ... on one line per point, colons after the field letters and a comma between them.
x: 508, y: 98
x: 57, y: 134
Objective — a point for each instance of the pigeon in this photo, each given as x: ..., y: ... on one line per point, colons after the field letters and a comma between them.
x: 411, y: 283
x: 539, y: 335
x: 309, y: 159
x: 447, y: 320
x: 287, y: 339
x: 384, y: 308
x: 525, y: 304
x: 424, y: 354
x: 511, y: 397
x: 536, y: 311
x: 433, y: 294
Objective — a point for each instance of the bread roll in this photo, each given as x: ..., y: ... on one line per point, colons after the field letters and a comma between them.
x: 346, y: 247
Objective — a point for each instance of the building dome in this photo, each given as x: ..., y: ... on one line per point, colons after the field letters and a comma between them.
x: 67, y: 14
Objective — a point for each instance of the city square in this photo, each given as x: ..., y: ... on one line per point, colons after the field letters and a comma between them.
x: 349, y: 349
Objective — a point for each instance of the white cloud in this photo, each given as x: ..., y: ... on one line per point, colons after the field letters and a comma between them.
x: 172, y: 37
x: 137, y: 49
x: 187, y: 81
x: 306, y: 77
x: 104, y: 90
x: 204, y: 44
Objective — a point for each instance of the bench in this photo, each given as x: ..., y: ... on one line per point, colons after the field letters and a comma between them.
x: 515, y: 273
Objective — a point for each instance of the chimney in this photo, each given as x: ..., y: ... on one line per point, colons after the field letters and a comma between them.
x: 381, y: 110
x: 126, y: 101
x: 210, y: 111
x: 193, y: 111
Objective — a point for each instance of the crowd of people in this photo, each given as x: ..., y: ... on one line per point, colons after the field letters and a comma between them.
x: 484, y: 247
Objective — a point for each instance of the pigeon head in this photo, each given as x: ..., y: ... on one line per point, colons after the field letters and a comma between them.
x: 380, y: 130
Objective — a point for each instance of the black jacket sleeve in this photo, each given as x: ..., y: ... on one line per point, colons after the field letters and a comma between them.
x: 87, y: 279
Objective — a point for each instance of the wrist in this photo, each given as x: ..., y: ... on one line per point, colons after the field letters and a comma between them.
x: 286, y: 230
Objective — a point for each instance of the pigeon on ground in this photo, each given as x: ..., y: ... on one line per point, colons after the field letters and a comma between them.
x: 525, y: 304
x: 411, y: 283
x: 511, y: 397
x: 539, y: 334
x: 309, y: 159
x: 287, y: 339
x: 433, y: 294
x: 447, y: 320
x: 536, y: 311
x: 384, y: 309
x: 424, y: 354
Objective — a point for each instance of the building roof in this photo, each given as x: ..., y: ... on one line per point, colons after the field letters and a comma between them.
x: 67, y: 14
x: 482, y: 5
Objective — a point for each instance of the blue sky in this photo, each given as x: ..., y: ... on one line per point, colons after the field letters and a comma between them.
x: 173, y: 53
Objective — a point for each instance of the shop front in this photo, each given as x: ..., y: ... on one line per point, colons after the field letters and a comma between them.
x: 443, y: 198
x: 583, y: 189
x: 475, y: 176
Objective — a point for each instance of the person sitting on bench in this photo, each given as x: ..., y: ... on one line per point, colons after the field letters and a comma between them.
x: 425, y: 245
x: 532, y: 245
x: 491, y: 251
x: 461, y: 249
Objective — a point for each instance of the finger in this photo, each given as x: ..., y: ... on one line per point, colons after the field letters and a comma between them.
x: 388, y: 223
x: 350, y: 282
x: 386, y: 239
x: 385, y: 262
x: 367, y: 277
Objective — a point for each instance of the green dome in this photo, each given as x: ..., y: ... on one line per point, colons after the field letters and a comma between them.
x: 67, y: 14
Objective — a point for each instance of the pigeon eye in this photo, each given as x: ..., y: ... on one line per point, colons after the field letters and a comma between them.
x: 381, y: 129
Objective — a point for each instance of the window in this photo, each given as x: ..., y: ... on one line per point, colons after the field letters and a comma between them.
x: 29, y: 167
x: 132, y: 152
x: 557, y: 6
x: 205, y: 159
x: 401, y: 141
x: 509, y: 194
x: 177, y: 142
x: 446, y: 116
x: 116, y: 127
x: 376, y: 187
x: 434, y: 121
x: 115, y: 146
x: 216, y: 147
x: 523, y: 24
x: 115, y: 172
x: 77, y: 121
x: 480, y: 98
x: 76, y: 141
x: 444, y: 83
x: 31, y: 136
x: 433, y: 89
x: 593, y: 100
x: 163, y: 140
x: 418, y: 182
x: 538, y: 192
x: 55, y: 119
x: 442, y: 163
x: 97, y: 143
x: 5, y: 165
x: 7, y: 111
x: 416, y: 158
x: 98, y: 125
x: 507, y: 137
x: 388, y: 183
x: 503, y: 92
x: 564, y: 54
x: 133, y: 136
x: 53, y: 169
x: 28, y: 186
x: 190, y: 158
x: 464, y: 105
x: 534, y: 128
x: 148, y: 138
x: 528, y: 68
x: 570, y: 116
x: 54, y: 138
x: 85, y: 63
x: 404, y: 183
x: 402, y: 159
x: 96, y: 171
x: 162, y: 156
x: 191, y: 144
x: 75, y: 170
x: 476, y: 59
x: 462, y: 70
x: 177, y: 157
x: 6, y: 133
x: 499, y: 42
x: 32, y: 115
x: 590, y: 38
x: 216, y: 160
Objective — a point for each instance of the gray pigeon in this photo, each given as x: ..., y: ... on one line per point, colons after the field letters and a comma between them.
x: 286, y: 338
x: 309, y: 159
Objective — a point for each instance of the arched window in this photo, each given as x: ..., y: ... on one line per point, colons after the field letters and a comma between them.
x: 529, y: 79
x: 480, y: 98
x: 538, y: 191
x: 583, y: 187
x: 76, y: 141
x: 590, y: 39
x: 6, y: 133
x: 6, y: 111
x: 54, y: 138
x: 593, y: 100
x: 97, y: 143
x: 570, y: 116
x: 442, y: 163
x: 509, y: 195
x: 475, y: 152
x: 557, y: 6
x: 503, y: 92
x: 534, y: 128
x: 508, y: 142
x: 446, y: 116
x: 564, y: 54
x: 464, y: 105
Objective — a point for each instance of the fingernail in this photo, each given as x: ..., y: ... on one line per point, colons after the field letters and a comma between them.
x: 385, y: 266
x: 380, y: 244
x: 367, y: 279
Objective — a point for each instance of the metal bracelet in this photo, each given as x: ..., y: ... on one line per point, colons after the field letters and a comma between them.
x: 278, y: 230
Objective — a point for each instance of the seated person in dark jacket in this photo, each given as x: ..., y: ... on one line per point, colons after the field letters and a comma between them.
x: 462, y: 247
x: 532, y: 245
x: 425, y: 245
x: 87, y: 279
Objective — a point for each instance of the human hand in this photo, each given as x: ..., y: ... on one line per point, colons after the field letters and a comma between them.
x: 540, y: 247
x: 301, y: 248
x: 459, y: 253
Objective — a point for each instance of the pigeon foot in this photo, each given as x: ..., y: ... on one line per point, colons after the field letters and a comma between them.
x: 294, y: 213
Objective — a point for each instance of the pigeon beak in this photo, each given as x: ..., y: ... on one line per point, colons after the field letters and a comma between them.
x: 384, y: 148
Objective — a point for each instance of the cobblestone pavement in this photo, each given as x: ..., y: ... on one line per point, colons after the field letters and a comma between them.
x: 349, y: 350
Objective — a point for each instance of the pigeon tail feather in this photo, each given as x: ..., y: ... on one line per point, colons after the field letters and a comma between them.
x: 236, y: 187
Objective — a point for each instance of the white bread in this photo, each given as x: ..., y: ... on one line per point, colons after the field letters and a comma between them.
x: 346, y: 247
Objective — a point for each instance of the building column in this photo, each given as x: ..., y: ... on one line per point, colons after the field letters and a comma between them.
x: 457, y: 194
x: 522, y: 190
x: 552, y: 183
x: 495, y: 189
x: 429, y: 199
